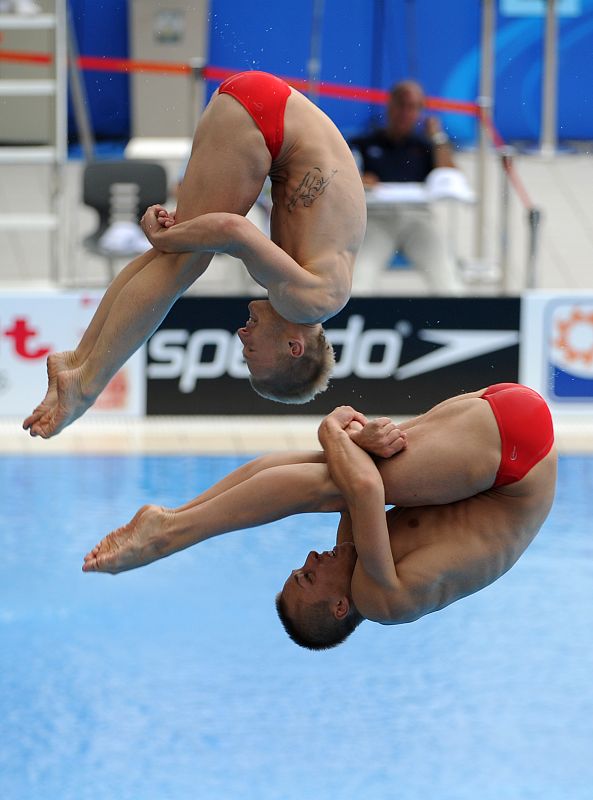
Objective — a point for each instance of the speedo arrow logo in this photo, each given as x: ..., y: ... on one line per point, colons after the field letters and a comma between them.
x: 371, y: 354
x: 456, y: 346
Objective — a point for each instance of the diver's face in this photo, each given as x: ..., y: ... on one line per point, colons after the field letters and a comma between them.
x: 261, y: 337
x: 323, y: 576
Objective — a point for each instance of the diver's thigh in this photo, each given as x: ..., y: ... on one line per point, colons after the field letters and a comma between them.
x: 228, y: 165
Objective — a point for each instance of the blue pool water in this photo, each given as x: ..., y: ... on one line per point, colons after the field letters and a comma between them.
x: 177, y: 682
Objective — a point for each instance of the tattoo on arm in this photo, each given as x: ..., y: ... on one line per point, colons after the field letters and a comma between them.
x: 309, y: 189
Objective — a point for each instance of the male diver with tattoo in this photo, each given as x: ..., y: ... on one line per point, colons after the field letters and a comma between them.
x: 254, y: 126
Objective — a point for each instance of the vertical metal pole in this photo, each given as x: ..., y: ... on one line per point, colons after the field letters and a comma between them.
x: 485, y: 101
x: 61, y: 76
x: 78, y: 93
x: 58, y: 241
x: 197, y: 92
x: 314, y: 63
x: 506, y: 162
x: 198, y: 86
x: 377, y: 52
x: 411, y: 39
x: 534, y: 218
x: 548, y: 137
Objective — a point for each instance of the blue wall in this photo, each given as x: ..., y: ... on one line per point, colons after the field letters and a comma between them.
x: 101, y: 28
x: 519, y: 76
x: 373, y: 43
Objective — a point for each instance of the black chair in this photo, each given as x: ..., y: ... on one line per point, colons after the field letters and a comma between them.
x: 121, y: 191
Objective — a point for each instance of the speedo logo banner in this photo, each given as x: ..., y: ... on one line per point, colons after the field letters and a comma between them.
x: 393, y: 355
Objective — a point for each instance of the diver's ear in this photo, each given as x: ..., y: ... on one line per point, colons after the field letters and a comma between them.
x: 297, y: 347
x: 341, y: 608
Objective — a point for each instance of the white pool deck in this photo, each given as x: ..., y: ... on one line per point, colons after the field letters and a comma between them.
x: 211, y: 436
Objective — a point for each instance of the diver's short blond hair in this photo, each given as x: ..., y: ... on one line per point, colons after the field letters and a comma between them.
x: 299, y: 380
x: 316, y: 628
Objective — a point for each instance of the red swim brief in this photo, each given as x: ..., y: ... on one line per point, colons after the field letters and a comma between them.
x: 264, y: 96
x: 526, y: 430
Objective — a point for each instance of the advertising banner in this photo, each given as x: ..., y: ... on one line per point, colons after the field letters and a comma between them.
x: 33, y: 325
x: 393, y: 355
x: 557, y: 349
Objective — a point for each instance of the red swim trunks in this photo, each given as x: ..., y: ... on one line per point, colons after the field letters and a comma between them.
x: 526, y: 430
x: 264, y: 96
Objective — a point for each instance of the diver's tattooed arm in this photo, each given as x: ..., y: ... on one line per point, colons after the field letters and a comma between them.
x: 309, y: 189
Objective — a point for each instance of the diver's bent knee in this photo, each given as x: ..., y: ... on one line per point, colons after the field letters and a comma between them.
x: 336, y: 503
x: 260, y: 463
x: 329, y: 497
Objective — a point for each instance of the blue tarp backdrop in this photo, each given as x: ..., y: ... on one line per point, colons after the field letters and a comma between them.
x: 373, y: 43
x: 102, y: 30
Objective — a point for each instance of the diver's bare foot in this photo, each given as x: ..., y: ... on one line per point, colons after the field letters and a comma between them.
x: 56, y: 362
x: 136, y: 544
x: 71, y: 403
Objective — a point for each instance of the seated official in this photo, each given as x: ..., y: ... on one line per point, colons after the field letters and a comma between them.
x: 402, y: 152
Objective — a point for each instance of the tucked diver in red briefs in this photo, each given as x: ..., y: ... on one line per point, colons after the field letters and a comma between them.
x: 473, y: 479
x: 254, y: 126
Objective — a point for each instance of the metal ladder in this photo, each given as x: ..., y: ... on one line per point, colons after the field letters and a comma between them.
x: 52, y: 156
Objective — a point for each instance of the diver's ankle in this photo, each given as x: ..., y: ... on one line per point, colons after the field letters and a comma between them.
x: 89, y: 387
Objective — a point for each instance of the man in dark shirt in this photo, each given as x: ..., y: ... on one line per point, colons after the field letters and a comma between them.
x: 394, y: 160
x: 402, y: 153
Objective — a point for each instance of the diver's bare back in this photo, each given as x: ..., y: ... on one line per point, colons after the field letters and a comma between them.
x: 319, y: 207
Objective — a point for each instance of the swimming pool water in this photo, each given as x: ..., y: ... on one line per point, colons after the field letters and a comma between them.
x: 176, y: 681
